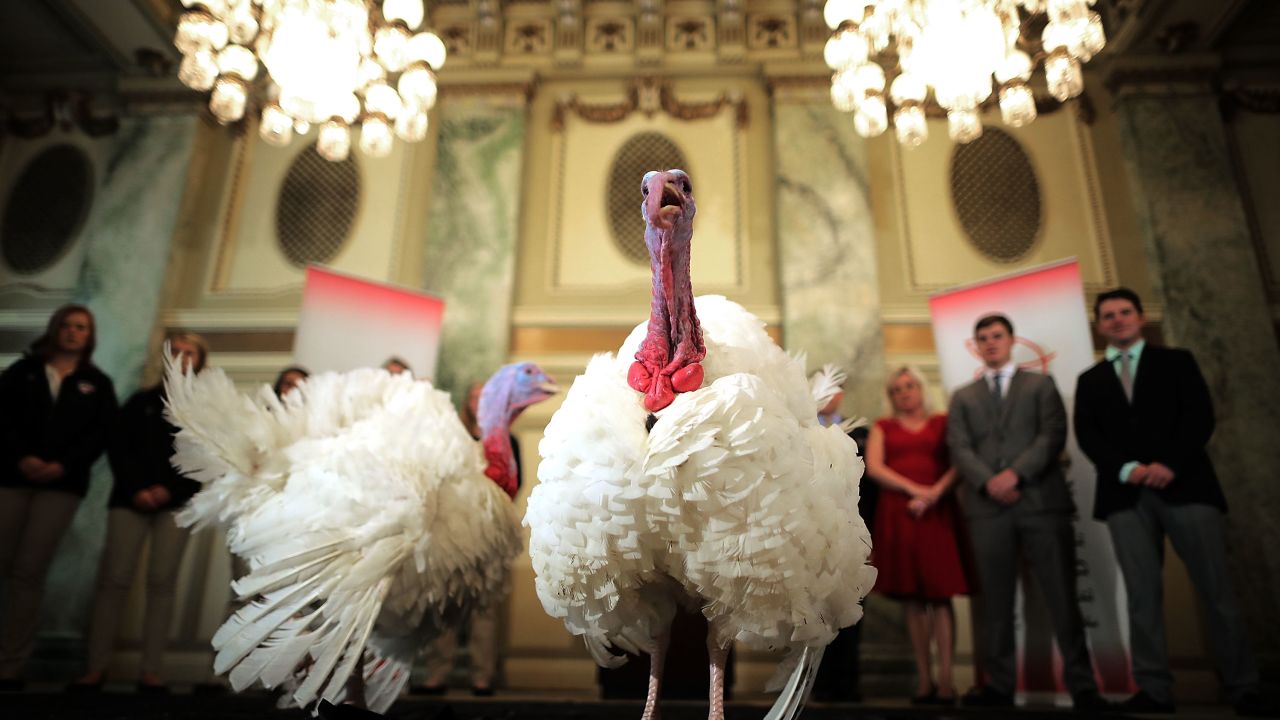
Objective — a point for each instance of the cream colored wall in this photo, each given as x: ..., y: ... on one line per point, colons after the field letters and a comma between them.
x: 228, y: 277
x: 569, y: 272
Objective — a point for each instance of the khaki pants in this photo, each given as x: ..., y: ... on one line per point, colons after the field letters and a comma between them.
x: 32, y: 523
x: 127, y: 532
x: 482, y: 649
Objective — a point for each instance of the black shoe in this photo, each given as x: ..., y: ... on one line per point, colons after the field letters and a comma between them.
x: 425, y: 689
x: 987, y: 698
x: 1254, y: 705
x: 84, y: 688
x: 12, y: 684
x: 1091, y: 702
x: 1143, y: 704
x: 478, y: 691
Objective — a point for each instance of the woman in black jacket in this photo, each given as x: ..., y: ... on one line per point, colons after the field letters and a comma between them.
x: 146, y: 492
x: 55, y: 411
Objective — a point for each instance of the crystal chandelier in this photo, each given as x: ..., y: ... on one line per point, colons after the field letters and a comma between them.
x: 334, y: 64
x: 954, y: 48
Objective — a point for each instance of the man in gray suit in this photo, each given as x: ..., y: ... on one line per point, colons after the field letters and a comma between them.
x: 1006, y: 432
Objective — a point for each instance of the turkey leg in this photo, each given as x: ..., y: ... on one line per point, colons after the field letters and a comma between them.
x: 719, y: 657
x: 656, y: 659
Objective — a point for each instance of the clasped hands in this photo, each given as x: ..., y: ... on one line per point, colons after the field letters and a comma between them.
x: 1003, y: 487
x: 38, y: 470
x: 1153, y: 475
x: 923, y: 497
x: 152, y: 498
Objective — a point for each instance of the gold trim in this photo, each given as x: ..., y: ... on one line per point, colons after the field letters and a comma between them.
x: 648, y: 95
x: 222, y: 265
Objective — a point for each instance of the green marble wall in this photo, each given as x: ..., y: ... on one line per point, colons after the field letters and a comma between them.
x: 827, y: 249
x: 1202, y: 261
x: 471, y: 236
x: 128, y: 234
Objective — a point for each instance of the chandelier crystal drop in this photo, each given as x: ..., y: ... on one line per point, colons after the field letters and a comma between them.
x: 963, y: 52
x: 338, y: 65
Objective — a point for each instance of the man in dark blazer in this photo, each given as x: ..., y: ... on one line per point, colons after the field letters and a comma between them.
x: 1006, y: 431
x: 1143, y: 415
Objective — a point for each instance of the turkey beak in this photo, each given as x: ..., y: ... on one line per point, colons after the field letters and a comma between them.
x: 549, y: 387
x: 664, y: 203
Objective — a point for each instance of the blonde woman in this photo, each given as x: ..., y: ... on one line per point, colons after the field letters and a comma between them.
x: 146, y: 490
x: 916, y: 548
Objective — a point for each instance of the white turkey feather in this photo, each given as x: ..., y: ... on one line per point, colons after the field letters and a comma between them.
x: 826, y: 383
x: 737, y: 502
x: 361, y: 505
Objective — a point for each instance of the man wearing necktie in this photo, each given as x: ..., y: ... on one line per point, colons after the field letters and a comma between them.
x: 1006, y: 432
x: 1143, y: 415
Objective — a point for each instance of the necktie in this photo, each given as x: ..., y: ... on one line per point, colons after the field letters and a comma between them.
x: 996, y: 390
x: 1126, y: 375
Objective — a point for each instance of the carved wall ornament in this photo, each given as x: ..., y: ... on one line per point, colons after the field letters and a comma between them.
x: 772, y: 31
x: 610, y: 35
x: 689, y: 34
x: 649, y: 95
x: 457, y: 40
x: 531, y: 37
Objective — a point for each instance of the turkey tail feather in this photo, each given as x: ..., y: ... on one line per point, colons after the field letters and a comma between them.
x: 791, y: 701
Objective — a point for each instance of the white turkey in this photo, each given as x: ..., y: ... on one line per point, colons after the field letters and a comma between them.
x: 368, y: 515
x: 690, y: 470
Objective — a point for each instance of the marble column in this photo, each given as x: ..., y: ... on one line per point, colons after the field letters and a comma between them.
x: 127, y: 240
x: 472, y: 226
x: 826, y: 243
x: 1203, y: 264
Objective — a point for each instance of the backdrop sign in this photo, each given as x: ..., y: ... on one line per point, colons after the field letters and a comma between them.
x: 1052, y: 336
x: 348, y: 322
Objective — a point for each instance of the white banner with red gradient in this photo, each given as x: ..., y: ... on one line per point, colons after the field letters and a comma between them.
x: 348, y: 322
x: 1052, y: 335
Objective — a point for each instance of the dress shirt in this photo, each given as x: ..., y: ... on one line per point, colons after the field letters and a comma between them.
x: 1005, y: 373
x: 1135, y: 355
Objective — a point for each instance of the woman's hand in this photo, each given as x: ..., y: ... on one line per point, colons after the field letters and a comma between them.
x: 917, y: 507
x: 160, y: 495
x: 143, y: 501
x: 39, y: 471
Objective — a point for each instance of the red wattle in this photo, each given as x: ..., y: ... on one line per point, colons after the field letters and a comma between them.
x: 638, y: 377
x: 497, y: 468
x: 687, y: 378
x: 660, y: 394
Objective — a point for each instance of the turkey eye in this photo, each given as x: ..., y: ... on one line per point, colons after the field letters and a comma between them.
x: 644, y: 190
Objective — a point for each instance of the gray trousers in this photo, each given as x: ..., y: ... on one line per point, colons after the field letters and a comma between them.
x: 1047, y: 539
x: 482, y: 647
x: 127, y: 532
x: 1198, y: 537
x: 32, y: 523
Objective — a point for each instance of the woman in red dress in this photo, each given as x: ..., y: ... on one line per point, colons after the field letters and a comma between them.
x: 915, y: 542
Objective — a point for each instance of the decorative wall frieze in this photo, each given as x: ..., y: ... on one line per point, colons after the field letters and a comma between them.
x: 611, y: 33
x: 649, y: 95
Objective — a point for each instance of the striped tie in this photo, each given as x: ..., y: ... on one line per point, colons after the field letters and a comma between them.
x: 1126, y: 375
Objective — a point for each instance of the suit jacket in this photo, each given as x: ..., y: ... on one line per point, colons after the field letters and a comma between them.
x: 1170, y: 421
x: 139, y: 451
x: 1025, y: 432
